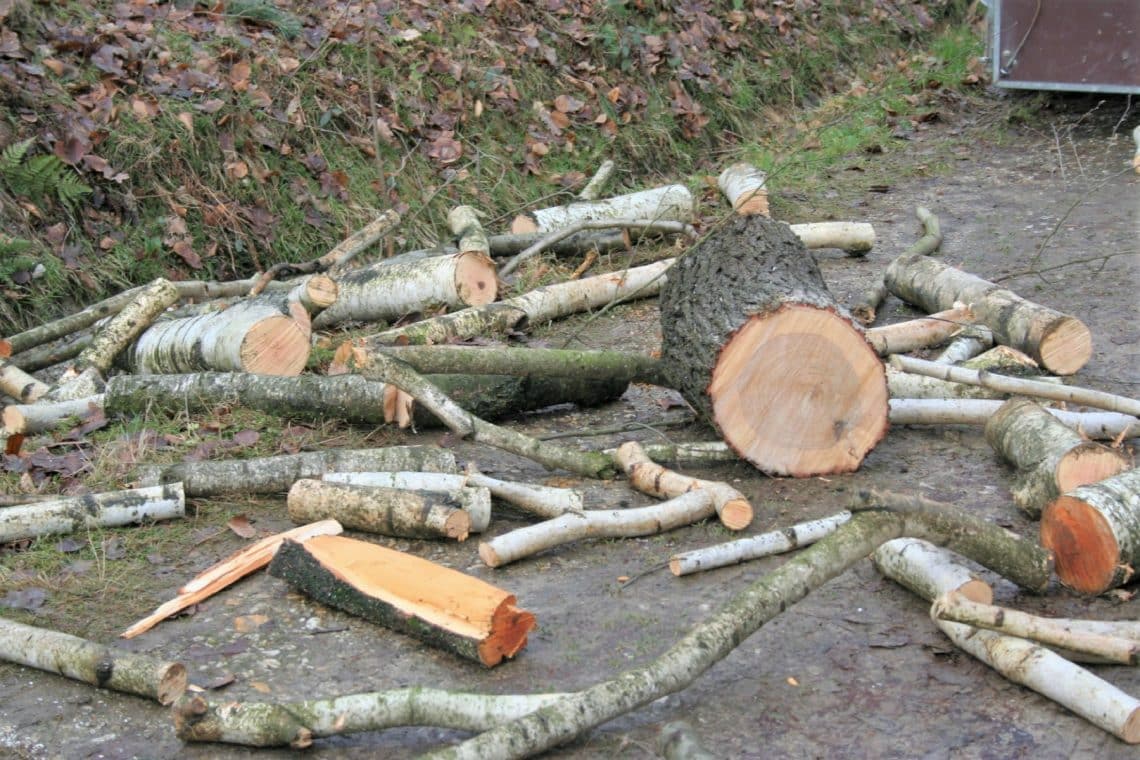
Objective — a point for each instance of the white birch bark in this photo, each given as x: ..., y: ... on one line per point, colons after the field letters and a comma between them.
x: 755, y: 547
x: 107, y: 510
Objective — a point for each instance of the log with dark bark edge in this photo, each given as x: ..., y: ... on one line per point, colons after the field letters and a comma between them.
x: 47, y: 355
x: 92, y: 663
x: 463, y: 423
x: 347, y: 397
x: 110, y: 509
x: 276, y: 474
x: 786, y: 378
x: 1050, y: 458
x: 341, y: 253
x: 1094, y: 533
x: 385, y: 292
x: 230, y: 570
x: 297, y: 724
x: 1060, y: 342
x: 868, y: 303
x: 251, y: 336
x: 647, y: 476
x: 387, y: 511
x: 437, y: 605
x: 1018, y: 660
x: 711, y: 640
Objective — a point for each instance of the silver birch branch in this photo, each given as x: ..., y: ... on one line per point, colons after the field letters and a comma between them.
x: 557, y: 235
x: 598, y: 182
x: 108, y: 510
x: 18, y: 384
x: 474, y: 500
x: 36, y: 418
x: 386, y: 511
x: 135, y: 317
x: 971, y: 342
x: 867, y: 305
x: 86, y: 661
x: 744, y: 187
x: 856, y: 238
x: 667, y: 203
x: 914, y: 334
x: 1099, y: 425
x: 544, y: 501
x: 1020, y: 386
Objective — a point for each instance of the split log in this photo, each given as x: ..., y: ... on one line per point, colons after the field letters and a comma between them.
x: 229, y: 571
x: 1061, y: 343
x: 914, y: 334
x: 340, y: 255
x: 86, y: 661
x: 1017, y: 385
x: 251, y: 337
x: 435, y: 604
x: 1051, y: 459
x: 474, y: 500
x: 1003, y: 360
x: 19, y: 384
x: 122, y: 330
x: 111, y: 509
x: 463, y: 221
x: 868, y: 304
x: 297, y: 724
x: 787, y: 380
x: 463, y: 423
x: 36, y: 418
x: 1098, y: 425
x: 387, y: 511
x: 1037, y: 668
x: 856, y: 238
x: 755, y: 547
x: 677, y: 512
x: 645, y: 226
x: 929, y: 571
x: 1094, y: 532
x: 277, y: 474
x: 743, y: 185
x: 970, y: 343
x: 709, y: 641
x: 385, y: 292
x: 1070, y: 636
x: 668, y: 203
x: 647, y: 476
x: 544, y: 501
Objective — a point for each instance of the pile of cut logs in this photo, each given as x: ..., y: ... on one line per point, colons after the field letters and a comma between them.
x: 788, y: 378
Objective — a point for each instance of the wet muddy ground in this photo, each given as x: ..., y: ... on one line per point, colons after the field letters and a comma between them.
x: 856, y: 669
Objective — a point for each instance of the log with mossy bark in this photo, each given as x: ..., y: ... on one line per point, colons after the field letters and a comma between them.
x: 670, y: 202
x: 1050, y: 458
x: 437, y: 605
x: 229, y: 571
x: 121, y: 330
x: 783, y: 374
x: 252, y: 336
x: 92, y: 663
x: 1060, y: 342
x: 386, y: 292
x: 386, y: 511
x: 1094, y: 532
x: 474, y: 500
x: 277, y: 474
x: 110, y: 509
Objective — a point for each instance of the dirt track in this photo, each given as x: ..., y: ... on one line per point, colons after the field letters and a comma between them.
x: 872, y: 677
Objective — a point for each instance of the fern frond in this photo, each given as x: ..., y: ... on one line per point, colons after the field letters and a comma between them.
x: 13, y: 155
x: 40, y: 176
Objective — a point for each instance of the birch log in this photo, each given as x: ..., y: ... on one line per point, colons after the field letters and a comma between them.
x: 1033, y: 666
x: 1061, y: 343
x: 679, y: 511
x: 903, y: 337
x: 47, y: 355
x: 1004, y: 360
x: 122, y: 329
x: 755, y: 547
x: 1094, y: 532
x: 929, y: 571
x: 958, y: 411
x: 671, y: 203
x: 463, y: 221
x: 856, y: 238
x: 647, y: 476
x: 598, y: 182
x: 1050, y: 458
x: 387, y: 511
x: 868, y: 303
x: 111, y: 509
x: 247, y: 337
x: 544, y: 501
x: 86, y: 661
x: 277, y: 474
x: 472, y: 499
x: 439, y: 606
x: 743, y: 185
x: 385, y: 292
x: 971, y: 342
x: 18, y: 384
x: 36, y: 418
x: 229, y: 571
x: 905, y: 385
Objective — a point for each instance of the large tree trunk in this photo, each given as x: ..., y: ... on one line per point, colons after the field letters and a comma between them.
x: 1051, y: 458
x: 1061, y: 343
x: 437, y: 605
x: 1094, y: 533
x: 787, y: 379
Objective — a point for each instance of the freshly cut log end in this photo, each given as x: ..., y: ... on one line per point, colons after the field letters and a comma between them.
x: 799, y: 391
x: 1085, y: 549
x: 1088, y: 463
x: 509, y: 629
x: 736, y: 514
x: 1066, y: 347
x: 488, y: 554
x: 475, y: 278
x: 524, y: 224
x: 276, y: 346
